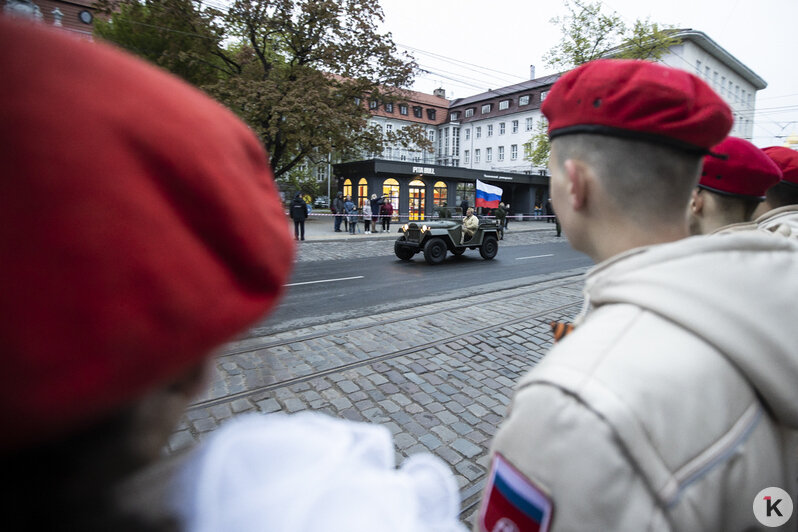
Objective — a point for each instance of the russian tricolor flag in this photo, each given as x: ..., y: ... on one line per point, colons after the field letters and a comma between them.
x: 488, y: 195
x: 512, y: 502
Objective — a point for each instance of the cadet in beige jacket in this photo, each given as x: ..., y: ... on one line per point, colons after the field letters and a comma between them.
x: 673, y: 402
x: 731, y: 188
x: 779, y: 212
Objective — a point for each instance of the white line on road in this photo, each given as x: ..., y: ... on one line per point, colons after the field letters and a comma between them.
x: 325, y: 281
x: 535, y: 257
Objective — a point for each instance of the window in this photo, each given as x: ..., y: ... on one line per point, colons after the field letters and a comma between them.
x: 321, y: 173
x: 373, y: 104
x: 530, y: 123
x: 347, y: 188
x: 469, y: 112
x: 543, y: 96
x: 465, y: 191
x: 454, y: 116
x: 403, y: 109
x: 362, y: 193
x: 478, y: 132
x: 514, y: 152
x: 501, y: 128
x: 490, y: 130
x: 501, y: 153
x: 389, y: 108
x: 698, y: 67
x: 388, y: 128
x: 440, y: 192
x: 468, y: 134
x: 504, y: 104
x: 706, y: 74
x: 476, y: 156
x: 488, y: 155
x: 357, y: 102
x: 714, y: 78
x: 723, y: 86
x: 523, y: 100
x: 486, y: 108
x: 456, y: 141
x: 390, y: 189
x: 515, y: 126
x: 467, y: 156
x: 431, y: 114
x: 417, y: 111
x: 431, y: 136
x: 527, y: 150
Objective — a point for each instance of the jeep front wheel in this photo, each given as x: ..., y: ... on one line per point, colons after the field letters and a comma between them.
x: 403, y: 252
x: 490, y: 246
x: 434, y: 251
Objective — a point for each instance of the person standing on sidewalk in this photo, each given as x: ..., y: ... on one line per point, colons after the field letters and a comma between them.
x: 351, y: 214
x: 375, y: 204
x: 299, y: 213
x: 673, y: 401
x: 137, y: 281
x: 386, y: 212
x: 337, y: 209
x: 501, y: 218
x: 367, y: 217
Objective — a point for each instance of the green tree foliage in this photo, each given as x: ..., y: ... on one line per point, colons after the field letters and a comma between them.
x: 299, y: 72
x: 588, y: 33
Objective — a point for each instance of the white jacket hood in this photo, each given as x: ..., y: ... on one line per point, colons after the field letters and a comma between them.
x: 738, y: 292
x: 782, y: 221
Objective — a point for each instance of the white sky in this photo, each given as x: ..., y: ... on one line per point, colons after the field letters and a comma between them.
x: 506, y: 36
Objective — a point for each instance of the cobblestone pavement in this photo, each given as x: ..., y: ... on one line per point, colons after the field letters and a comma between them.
x: 439, y: 377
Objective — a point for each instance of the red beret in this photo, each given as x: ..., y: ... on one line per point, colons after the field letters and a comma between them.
x: 639, y: 100
x: 140, y: 227
x: 745, y: 171
x: 787, y: 160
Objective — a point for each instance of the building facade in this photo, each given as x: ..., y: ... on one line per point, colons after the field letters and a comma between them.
x: 76, y: 16
x: 488, y: 136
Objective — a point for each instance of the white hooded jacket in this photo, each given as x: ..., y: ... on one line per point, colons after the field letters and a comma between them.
x: 675, y: 400
x: 782, y: 221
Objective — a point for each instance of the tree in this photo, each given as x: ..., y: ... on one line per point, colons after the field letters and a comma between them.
x: 587, y: 34
x: 295, y: 70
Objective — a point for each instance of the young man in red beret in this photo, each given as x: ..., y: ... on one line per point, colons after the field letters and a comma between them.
x: 779, y: 212
x: 734, y: 180
x: 673, y: 401
x: 136, y: 238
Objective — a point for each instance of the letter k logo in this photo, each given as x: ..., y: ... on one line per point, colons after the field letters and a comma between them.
x: 772, y: 507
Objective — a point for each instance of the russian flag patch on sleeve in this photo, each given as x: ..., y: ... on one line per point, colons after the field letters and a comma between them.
x: 512, y: 502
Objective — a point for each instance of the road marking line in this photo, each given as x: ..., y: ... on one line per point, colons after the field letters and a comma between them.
x: 325, y: 281
x: 535, y: 257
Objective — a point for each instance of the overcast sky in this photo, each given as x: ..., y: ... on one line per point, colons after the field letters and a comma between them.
x: 470, y: 46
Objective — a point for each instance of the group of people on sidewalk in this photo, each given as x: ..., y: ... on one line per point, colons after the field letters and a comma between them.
x: 377, y: 210
x: 671, y: 405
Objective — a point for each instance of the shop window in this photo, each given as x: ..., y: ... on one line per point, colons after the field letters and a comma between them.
x: 347, y: 188
x: 362, y: 192
x: 440, y: 193
x: 390, y: 189
x: 465, y: 191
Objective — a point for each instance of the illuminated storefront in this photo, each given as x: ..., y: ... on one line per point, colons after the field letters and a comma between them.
x: 417, y: 192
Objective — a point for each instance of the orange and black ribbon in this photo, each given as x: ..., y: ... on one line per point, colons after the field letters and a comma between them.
x: 561, y: 329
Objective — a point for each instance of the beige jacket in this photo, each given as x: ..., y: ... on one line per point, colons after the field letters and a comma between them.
x: 470, y: 224
x: 675, y: 400
x: 782, y: 221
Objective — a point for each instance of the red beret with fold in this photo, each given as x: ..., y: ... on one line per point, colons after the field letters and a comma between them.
x: 638, y: 100
x: 787, y: 160
x: 741, y: 170
x: 140, y: 228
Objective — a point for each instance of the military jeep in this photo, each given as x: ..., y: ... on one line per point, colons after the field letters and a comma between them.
x: 434, y: 238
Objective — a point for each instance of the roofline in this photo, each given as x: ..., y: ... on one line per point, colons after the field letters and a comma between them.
x: 507, y: 90
x: 701, y: 39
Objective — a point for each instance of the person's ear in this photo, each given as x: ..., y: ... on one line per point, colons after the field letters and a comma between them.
x: 696, y: 201
x: 576, y: 174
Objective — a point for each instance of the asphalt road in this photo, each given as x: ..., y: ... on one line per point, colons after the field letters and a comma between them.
x: 347, y: 288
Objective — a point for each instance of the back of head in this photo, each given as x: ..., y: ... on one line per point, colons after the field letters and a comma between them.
x: 642, y: 127
x: 135, y: 231
x: 785, y: 192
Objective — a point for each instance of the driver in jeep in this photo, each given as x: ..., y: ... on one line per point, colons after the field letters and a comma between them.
x: 470, y: 224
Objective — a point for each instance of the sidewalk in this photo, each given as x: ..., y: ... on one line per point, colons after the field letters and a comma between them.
x: 319, y: 227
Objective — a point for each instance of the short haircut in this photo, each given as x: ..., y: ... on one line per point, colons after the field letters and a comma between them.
x: 736, y: 208
x: 782, y: 194
x: 644, y: 180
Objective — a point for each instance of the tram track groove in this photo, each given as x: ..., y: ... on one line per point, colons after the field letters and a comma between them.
x: 373, y: 360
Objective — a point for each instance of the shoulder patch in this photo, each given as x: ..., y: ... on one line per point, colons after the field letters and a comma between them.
x: 512, y: 502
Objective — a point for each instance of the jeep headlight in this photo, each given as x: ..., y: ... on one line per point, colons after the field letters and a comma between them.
x: 424, y: 228
x: 405, y: 227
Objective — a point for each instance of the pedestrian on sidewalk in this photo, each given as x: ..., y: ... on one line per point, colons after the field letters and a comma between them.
x: 375, y: 203
x: 299, y: 213
x: 386, y: 212
x: 501, y: 216
x: 137, y: 281
x: 507, y: 216
x: 351, y: 214
x: 659, y: 396
x: 337, y: 209
x: 367, y: 217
